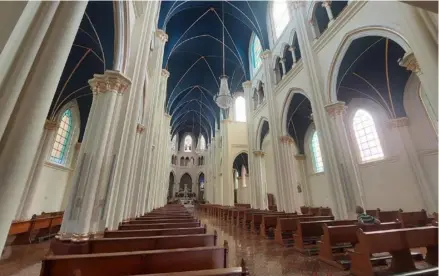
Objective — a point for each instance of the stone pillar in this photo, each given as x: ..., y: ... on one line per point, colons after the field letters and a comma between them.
x: 348, y: 165
x: 260, y: 184
x: 227, y: 183
x: 16, y: 64
x: 302, y: 182
x: 328, y: 145
x: 327, y: 6
x: 137, y: 186
x: 401, y: 126
x: 291, y: 173
x: 85, y: 213
x: 20, y: 143
x: 47, y: 140
x: 274, y: 130
x: 293, y: 54
x: 315, y: 32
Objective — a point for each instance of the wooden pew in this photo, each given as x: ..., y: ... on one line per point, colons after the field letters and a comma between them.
x: 413, y: 219
x: 383, y: 216
x: 29, y: 230
x: 158, y: 226
x: 232, y: 271
x: 137, y: 262
x: 163, y: 217
x: 109, y: 245
x: 398, y: 243
x: 161, y: 221
x: 341, y: 235
x: 154, y: 232
x: 268, y: 223
x: 257, y: 220
x: 308, y: 232
x: 304, y: 210
x: 286, y: 227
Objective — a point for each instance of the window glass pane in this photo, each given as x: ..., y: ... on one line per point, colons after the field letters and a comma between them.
x: 62, y: 139
x: 188, y: 143
x: 240, y: 115
x: 367, y: 137
x: 316, y: 153
x: 202, y: 143
x: 281, y: 16
x: 256, y: 50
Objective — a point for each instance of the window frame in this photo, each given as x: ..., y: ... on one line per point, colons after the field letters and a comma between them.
x: 253, y: 55
x: 274, y: 34
x: 314, y: 158
x: 191, y: 145
x: 236, y: 109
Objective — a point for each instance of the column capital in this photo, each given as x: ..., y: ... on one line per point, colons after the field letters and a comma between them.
x: 50, y: 125
x: 258, y: 153
x: 239, y: 177
x: 247, y: 84
x: 140, y: 128
x: 226, y: 121
x: 326, y: 3
x: 410, y: 62
x: 165, y: 73
x: 286, y: 140
x: 336, y: 109
x: 78, y: 146
x: 161, y: 35
x: 300, y: 156
x: 168, y: 116
x: 291, y: 49
x: 265, y: 54
x: 110, y: 81
x: 398, y: 122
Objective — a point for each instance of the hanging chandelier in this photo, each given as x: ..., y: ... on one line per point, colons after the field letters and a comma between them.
x: 223, y: 99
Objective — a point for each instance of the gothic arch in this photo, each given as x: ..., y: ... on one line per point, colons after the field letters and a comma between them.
x: 258, y: 132
x: 286, y: 105
x: 344, y: 46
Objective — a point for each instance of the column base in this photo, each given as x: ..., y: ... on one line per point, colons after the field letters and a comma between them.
x: 59, y: 247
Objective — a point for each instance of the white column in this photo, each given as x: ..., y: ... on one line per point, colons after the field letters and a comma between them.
x: 20, y: 143
x: 47, y: 142
x: 328, y: 146
x: 290, y: 173
x: 260, y: 184
x: 85, y: 213
x: 327, y: 6
x: 274, y: 131
x: 137, y: 187
x: 401, y: 126
x: 16, y: 63
x: 284, y: 69
x: 227, y: 183
x: 303, y: 179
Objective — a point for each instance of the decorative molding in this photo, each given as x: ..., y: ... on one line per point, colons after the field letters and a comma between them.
x: 428, y: 152
x: 244, y: 146
x: 161, y: 35
x: 286, y: 140
x: 57, y: 167
x: 165, y: 73
x: 300, y: 156
x: 50, y: 125
x: 110, y: 81
x: 265, y: 54
x: 410, y: 62
x: 259, y: 108
x: 398, y: 122
x: 288, y: 77
x: 140, y: 128
x: 259, y: 153
x: 226, y: 121
x: 247, y: 84
x: 391, y: 159
x: 336, y: 109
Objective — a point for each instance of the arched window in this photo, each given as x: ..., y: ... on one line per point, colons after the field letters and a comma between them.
x: 280, y: 16
x: 367, y: 137
x: 188, y: 143
x: 202, y: 143
x: 316, y: 153
x: 240, y: 109
x: 62, y: 140
x: 255, y: 52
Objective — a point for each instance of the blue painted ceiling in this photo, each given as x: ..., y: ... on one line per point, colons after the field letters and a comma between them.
x: 91, y: 53
x: 193, y: 56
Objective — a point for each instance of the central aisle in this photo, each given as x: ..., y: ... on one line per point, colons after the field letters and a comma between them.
x: 264, y: 257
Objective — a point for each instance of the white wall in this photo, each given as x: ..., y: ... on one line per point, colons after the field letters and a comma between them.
x: 10, y: 12
x: 269, y: 170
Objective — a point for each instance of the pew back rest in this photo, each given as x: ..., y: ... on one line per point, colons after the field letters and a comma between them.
x: 315, y: 228
x: 397, y: 239
x: 154, y: 232
x: 413, y: 219
x: 387, y: 216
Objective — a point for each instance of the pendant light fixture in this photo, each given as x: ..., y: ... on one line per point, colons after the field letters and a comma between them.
x: 223, y: 99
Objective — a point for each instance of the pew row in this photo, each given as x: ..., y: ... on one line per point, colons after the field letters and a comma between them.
x: 154, y: 232
x: 138, y: 262
x: 158, y: 226
x: 398, y: 243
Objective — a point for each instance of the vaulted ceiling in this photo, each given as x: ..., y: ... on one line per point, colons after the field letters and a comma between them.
x: 193, y: 56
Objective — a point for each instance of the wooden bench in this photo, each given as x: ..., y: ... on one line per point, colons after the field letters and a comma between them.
x: 242, y: 205
x: 414, y: 219
x: 163, y: 217
x: 286, y: 227
x: 383, y: 216
x: 342, y: 235
x: 161, y: 221
x: 309, y: 232
x: 232, y: 271
x: 28, y: 231
x: 158, y: 226
x: 257, y: 220
x: 269, y: 222
x: 138, y: 262
x: 128, y: 244
x: 154, y: 232
x: 398, y: 243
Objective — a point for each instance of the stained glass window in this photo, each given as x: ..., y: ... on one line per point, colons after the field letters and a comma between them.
x: 367, y: 137
x: 62, y: 140
x: 281, y: 16
x: 202, y: 143
x: 240, y: 115
x: 188, y: 143
x: 316, y: 154
x: 256, y: 50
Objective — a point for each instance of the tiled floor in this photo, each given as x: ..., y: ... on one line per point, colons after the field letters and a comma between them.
x: 25, y: 260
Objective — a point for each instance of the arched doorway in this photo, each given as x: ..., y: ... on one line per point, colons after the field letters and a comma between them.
x: 186, y: 182
x: 171, y: 186
x: 240, y: 171
x: 201, y: 186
